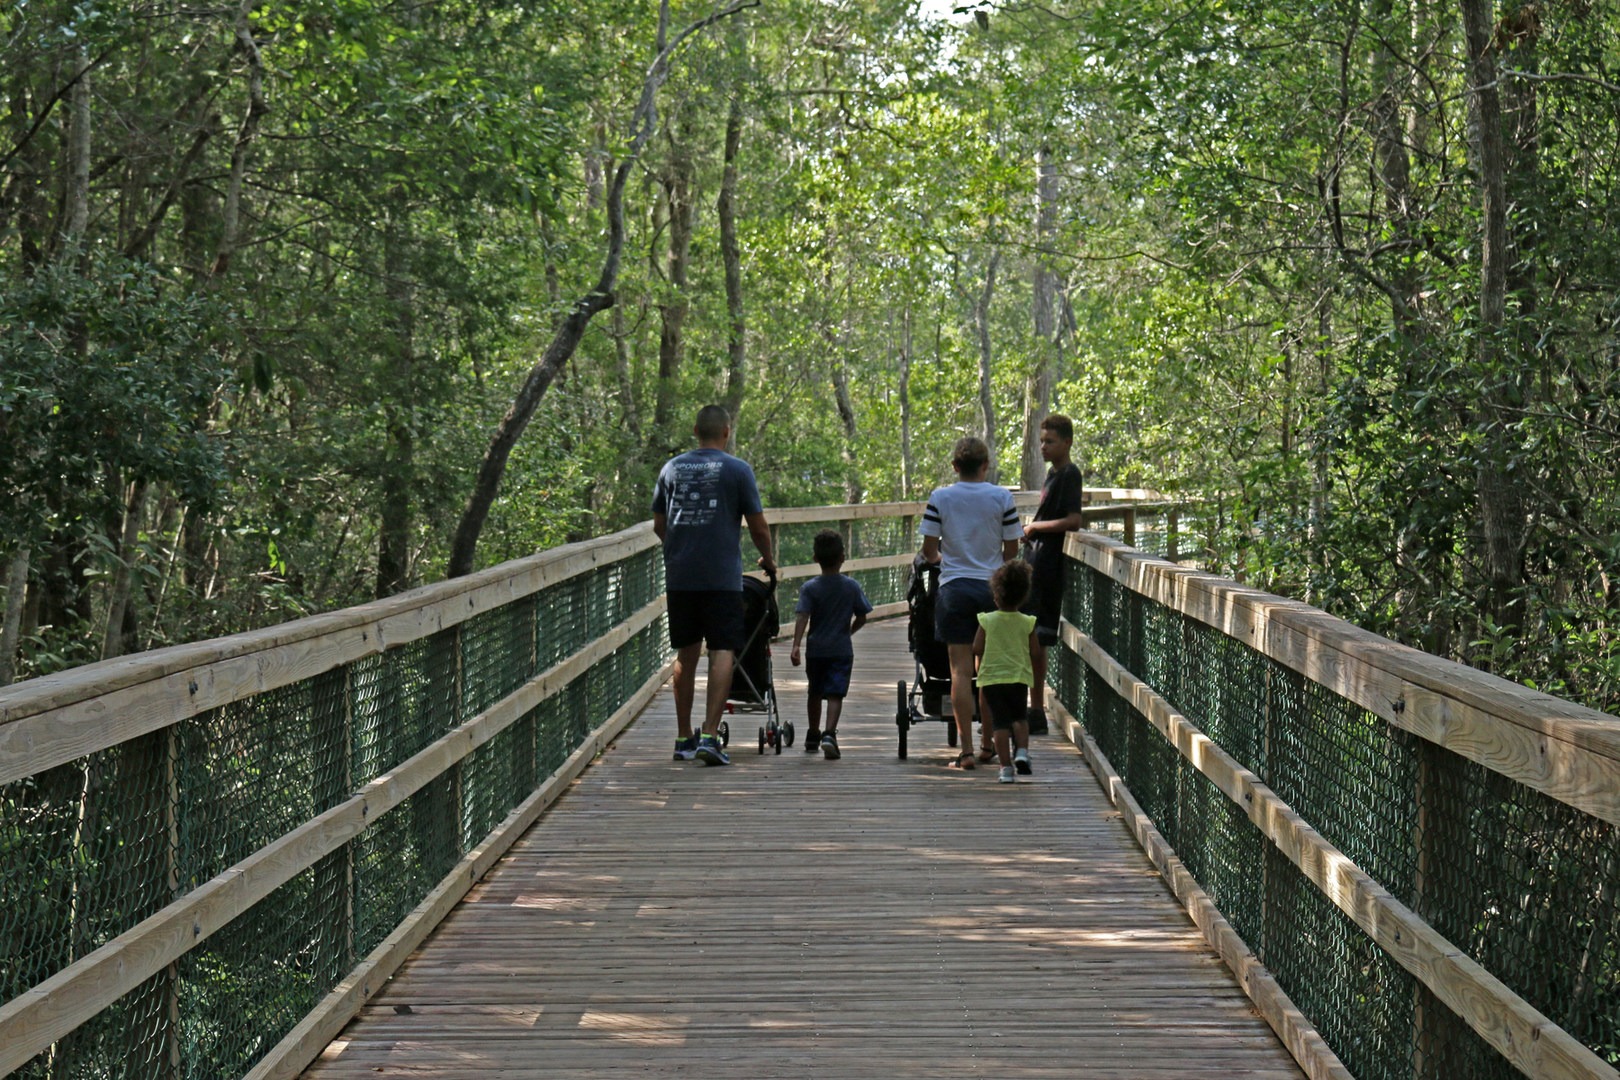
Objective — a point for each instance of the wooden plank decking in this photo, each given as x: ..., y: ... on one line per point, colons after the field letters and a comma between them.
x: 789, y: 916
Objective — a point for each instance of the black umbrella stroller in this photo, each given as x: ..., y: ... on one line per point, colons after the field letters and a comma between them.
x: 752, y: 688
x: 929, y: 697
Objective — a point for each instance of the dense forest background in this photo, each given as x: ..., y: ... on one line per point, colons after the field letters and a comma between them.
x: 272, y: 274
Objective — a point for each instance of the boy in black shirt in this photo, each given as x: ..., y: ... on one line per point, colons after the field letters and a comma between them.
x: 1058, y: 513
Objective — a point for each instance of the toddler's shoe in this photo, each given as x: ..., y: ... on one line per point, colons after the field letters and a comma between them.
x: 1007, y: 776
x: 812, y: 741
x: 829, y: 747
x: 1021, y: 761
x: 686, y: 749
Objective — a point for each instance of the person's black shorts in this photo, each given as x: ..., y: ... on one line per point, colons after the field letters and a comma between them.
x: 829, y: 675
x: 956, y: 612
x: 1046, y: 604
x: 1006, y: 702
x: 703, y: 615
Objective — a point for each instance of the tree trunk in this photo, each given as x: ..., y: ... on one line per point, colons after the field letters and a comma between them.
x: 731, y: 253
x: 230, y: 231
x: 565, y: 339
x: 981, y: 324
x: 627, y: 384
x: 1048, y: 332
x: 1501, y: 503
x: 16, y: 600
x: 906, y: 480
x: 853, y: 490
x: 679, y: 182
x: 399, y: 457
x: 113, y: 637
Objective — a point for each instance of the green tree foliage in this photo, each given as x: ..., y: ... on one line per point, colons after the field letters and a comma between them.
x: 359, y: 223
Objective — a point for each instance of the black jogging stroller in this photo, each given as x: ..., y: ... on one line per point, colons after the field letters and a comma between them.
x: 929, y: 696
x: 752, y: 688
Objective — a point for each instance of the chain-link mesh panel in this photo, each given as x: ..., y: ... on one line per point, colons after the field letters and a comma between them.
x: 93, y: 847
x: 1523, y: 884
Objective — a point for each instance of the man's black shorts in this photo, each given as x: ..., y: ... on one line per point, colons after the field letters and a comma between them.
x: 715, y: 616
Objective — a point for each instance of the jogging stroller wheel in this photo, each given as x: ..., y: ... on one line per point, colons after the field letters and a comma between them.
x: 904, y: 729
x: 776, y: 740
x: 788, y: 728
x: 762, y: 740
x: 725, y: 733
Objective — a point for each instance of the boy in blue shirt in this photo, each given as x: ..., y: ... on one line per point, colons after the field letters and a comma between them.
x: 833, y: 606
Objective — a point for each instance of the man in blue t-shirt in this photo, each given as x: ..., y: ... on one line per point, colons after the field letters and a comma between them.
x: 697, y: 504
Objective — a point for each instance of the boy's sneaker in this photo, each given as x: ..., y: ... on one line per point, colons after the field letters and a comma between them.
x: 1007, y: 776
x: 829, y: 747
x: 710, y: 752
x: 812, y: 741
x: 1021, y: 761
x: 1036, y: 718
x: 686, y: 749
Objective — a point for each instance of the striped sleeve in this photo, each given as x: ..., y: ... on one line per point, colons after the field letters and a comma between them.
x: 1011, y: 528
x: 930, y: 525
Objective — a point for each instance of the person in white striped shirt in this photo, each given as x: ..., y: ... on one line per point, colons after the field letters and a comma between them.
x: 969, y: 528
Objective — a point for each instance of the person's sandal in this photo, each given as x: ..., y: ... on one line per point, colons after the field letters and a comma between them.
x: 964, y: 760
x: 987, y: 754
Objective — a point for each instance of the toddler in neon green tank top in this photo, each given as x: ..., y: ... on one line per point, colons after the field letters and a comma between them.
x: 1007, y: 647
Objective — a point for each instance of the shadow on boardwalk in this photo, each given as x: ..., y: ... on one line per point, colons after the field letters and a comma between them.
x: 789, y: 916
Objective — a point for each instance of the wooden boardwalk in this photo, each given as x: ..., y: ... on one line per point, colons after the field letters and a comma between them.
x: 790, y: 916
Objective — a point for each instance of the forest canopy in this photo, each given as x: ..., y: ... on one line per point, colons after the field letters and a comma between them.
x: 272, y: 273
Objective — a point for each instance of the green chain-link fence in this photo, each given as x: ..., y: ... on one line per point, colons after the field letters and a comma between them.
x: 91, y: 847
x: 1521, y: 883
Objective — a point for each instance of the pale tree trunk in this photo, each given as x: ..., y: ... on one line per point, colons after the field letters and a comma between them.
x: 627, y: 384
x: 16, y: 600
x: 231, y: 219
x: 113, y: 638
x: 679, y: 182
x: 906, y: 479
x: 1501, y: 503
x: 981, y: 325
x: 1048, y: 334
x: 565, y: 338
x: 853, y: 490
x: 78, y: 200
x: 731, y: 253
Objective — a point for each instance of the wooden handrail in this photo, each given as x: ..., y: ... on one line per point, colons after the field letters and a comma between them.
x: 1559, y: 748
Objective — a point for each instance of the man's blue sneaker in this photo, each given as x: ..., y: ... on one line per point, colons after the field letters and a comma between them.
x: 710, y: 752
x: 686, y: 749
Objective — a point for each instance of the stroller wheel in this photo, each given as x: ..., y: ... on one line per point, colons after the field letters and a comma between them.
x: 762, y: 740
x: 904, y: 729
x: 788, y: 728
x: 776, y: 740
x: 902, y: 715
x: 950, y: 733
x: 725, y: 733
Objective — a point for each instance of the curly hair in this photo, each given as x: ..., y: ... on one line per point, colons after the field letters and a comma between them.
x: 1009, y: 585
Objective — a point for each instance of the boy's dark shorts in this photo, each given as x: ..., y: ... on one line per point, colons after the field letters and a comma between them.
x: 712, y: 615
x: 1046, y: 604
x: 956, y: 612
x: 1006, y: 702
x: 829, y: 675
